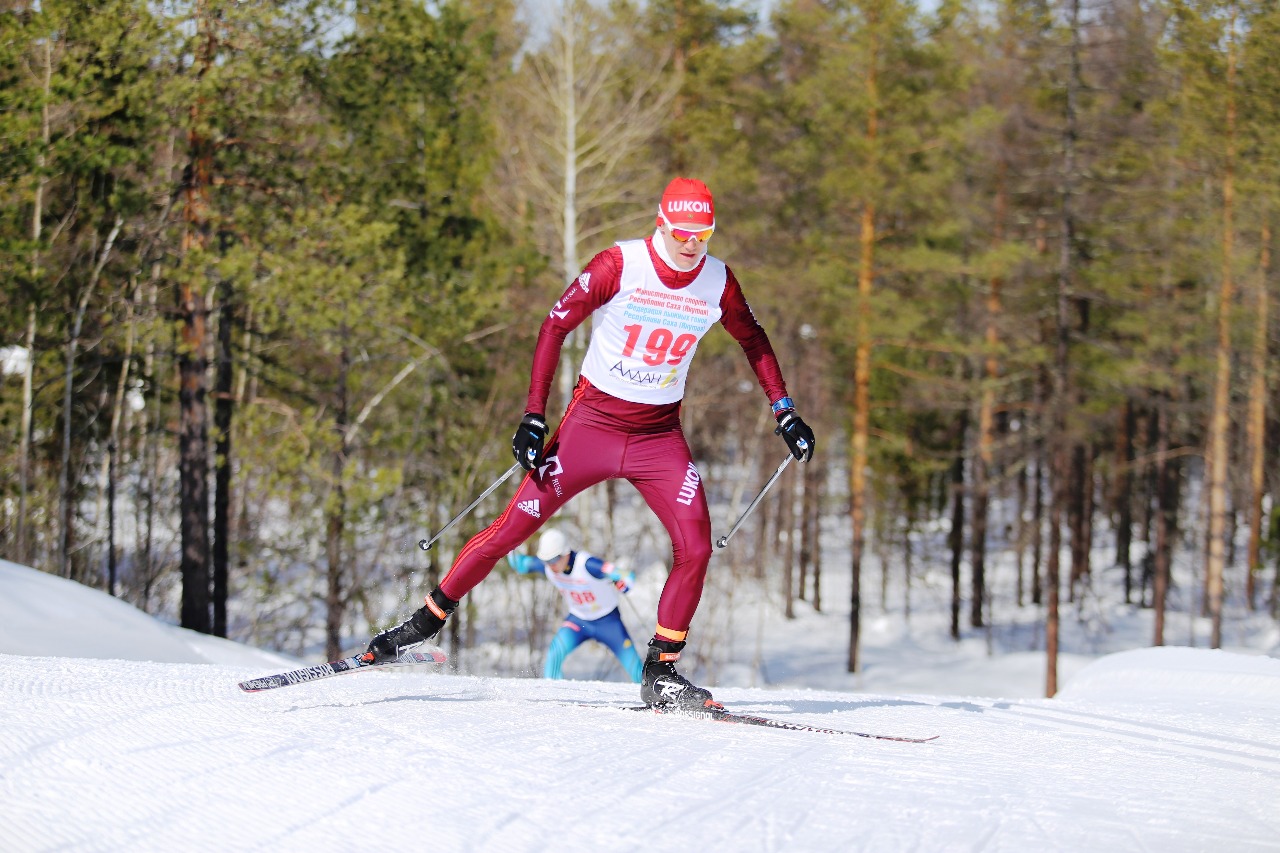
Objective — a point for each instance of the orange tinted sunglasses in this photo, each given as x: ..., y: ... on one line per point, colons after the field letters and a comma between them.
x: 683, y: 235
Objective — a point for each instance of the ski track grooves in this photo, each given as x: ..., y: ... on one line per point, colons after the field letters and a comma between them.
x: 133, y: 758
x: 1166, y: 738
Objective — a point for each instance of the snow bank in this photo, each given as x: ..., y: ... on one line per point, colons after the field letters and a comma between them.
x: 46, y: 616
x: 1170, y: 673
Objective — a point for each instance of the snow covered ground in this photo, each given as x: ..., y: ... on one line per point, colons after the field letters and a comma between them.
x: 119, y: 747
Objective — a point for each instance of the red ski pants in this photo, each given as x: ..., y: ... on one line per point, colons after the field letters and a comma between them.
x: 588, y: 448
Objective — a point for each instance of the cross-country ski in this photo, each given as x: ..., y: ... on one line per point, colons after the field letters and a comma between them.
x: 723, y: 715
x: 355, y: 663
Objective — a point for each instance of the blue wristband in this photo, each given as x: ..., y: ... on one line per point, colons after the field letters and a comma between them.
x: 785, y: 404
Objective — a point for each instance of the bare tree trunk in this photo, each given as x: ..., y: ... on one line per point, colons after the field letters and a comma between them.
x: 955, y: 538
x: 610, y: 513
x: 67, y: 510
x: 808, y: 527
x: 1086, y: 515
x: 111, y: 518
x: 1075, y: 501
x: 37, y: 226
x: 149, y: 453
x: 862, y: 371
x: 1059, y: 442
x: 1152, y: 529
x: 1037, y: 523
x: 1052, y: 578
x: 764, y: 546
x: 24, y: 441
x: 978, y: 528
x: 820, y: 478
x: 335, y: 600
x: 787, y: 523
x: 1219, y: 416
x: 982, y: 466
x: 571, y: 352
x: 1123, y: 495
x: 907, y: 565
x: 1166, y: 523
x: 113, y: 442
x: 861, y: 426
x: 222, y: 413
x: 883, y: 543
x: 1021, y: 537
x: 1258, y: 422
x: 193, y: 437
x: 193, y: 464
x: 246, y: 390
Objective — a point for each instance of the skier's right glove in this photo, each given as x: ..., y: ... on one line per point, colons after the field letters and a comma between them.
x: 794, y: 432
x: 622, y: 581
x: 527, y: 443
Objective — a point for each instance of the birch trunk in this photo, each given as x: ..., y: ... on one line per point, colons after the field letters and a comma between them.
x: 108, y: 473
x: 66, y: 510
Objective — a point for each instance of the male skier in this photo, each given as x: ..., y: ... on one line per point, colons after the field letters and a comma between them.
x: 652, y: 300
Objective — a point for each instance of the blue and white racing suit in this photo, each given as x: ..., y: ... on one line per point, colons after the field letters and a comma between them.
x: 590, y: 587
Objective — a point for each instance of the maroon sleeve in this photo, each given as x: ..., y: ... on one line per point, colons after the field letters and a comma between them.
x: 598, y: 284
x: 737, y: 317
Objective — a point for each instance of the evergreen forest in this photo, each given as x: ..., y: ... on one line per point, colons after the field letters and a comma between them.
x: 272, y: 274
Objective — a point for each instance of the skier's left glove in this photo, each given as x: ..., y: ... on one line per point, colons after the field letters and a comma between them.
x: 795, y: 432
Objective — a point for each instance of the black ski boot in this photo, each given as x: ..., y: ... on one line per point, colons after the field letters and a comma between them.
x: 663, y: 686
x: 424, y: 624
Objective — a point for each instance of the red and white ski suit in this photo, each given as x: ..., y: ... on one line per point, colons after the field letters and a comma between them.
x: 624, y: 418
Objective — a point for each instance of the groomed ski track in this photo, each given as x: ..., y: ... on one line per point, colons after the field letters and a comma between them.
x: 117, y: 755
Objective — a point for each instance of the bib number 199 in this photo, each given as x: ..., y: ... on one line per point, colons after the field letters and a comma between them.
x: 661, y: 345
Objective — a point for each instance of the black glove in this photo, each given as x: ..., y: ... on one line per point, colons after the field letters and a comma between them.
x: 526, y: 444
x: 796, y: 434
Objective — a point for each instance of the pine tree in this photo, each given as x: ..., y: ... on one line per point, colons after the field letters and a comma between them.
x: 853, y: 159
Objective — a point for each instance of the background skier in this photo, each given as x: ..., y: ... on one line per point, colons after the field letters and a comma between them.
x: 590, y: 587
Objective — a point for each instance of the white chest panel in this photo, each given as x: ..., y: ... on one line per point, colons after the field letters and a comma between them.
x: 644, y: 338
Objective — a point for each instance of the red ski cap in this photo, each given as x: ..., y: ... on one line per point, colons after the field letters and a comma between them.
x: 688, y: 202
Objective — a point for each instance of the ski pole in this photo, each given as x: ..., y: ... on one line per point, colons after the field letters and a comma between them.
x: 634, y: 609
x: 724, y: 540
x: 425, y: 544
